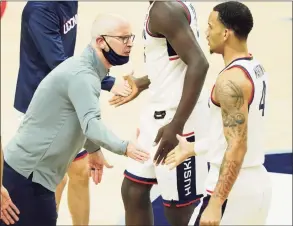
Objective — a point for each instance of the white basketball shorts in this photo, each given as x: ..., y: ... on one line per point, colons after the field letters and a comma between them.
x: 185, y: 184
x: 248, y: 202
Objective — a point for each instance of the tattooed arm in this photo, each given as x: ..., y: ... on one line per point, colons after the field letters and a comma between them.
x: 232, y: 91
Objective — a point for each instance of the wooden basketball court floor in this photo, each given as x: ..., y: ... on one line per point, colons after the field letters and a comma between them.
x: 270, y: 42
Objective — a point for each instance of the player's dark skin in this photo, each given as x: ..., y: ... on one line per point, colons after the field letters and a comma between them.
x: 170, y: 20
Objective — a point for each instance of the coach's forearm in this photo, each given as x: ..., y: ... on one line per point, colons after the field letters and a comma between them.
x: 193, y: 83
x: 99, y: 134
x: 90, y: 146
x: 229, y: 171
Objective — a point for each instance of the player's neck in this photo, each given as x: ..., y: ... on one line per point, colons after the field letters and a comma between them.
x: 234, y: 52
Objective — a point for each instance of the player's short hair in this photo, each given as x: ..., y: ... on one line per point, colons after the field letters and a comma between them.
x: 235, y: 16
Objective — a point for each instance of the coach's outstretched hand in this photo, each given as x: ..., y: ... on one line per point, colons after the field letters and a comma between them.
x: 9, y: 211
x: 166, y: 136
x: 137, y: 155
x: 96, y: 163
x: 118, y: 100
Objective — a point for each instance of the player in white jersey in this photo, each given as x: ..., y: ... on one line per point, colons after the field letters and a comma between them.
x: 176, y: 70
x: 238, y: 188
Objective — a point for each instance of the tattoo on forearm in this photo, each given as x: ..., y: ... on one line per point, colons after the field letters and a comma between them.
x: 231, y: 99
x: 228, y: 173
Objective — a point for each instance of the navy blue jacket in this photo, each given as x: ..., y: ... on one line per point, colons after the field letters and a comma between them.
x: 48, y: 36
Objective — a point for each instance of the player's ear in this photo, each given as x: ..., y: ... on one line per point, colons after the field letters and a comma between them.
x: 226, y: 34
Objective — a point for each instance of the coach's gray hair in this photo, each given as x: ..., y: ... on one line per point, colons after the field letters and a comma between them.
x: 106, y: 24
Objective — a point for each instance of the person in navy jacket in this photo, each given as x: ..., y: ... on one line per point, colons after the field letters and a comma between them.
x: 48, y: 37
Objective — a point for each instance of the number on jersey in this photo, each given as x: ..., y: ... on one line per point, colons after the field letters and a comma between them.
x: 263, y: 99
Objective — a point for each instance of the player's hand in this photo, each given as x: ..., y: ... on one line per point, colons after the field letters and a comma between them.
x: 118, y: 100
x: 137, y: 155
x: 211, y: 215
x: 121, y: 88
x: 9, y: 211
x: 180, y: 153
x: 167, y: 136
x: 96, y: 163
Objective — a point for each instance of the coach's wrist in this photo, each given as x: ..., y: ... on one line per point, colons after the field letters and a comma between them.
x: 124, y: 146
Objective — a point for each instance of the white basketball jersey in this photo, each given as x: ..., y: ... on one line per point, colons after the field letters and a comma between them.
x: 256, y: 116
x: 165, y: 69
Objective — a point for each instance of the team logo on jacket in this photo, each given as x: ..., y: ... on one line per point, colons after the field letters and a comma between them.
x: 70, y: 24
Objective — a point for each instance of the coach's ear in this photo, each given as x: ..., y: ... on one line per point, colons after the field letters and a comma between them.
x: 100, y: 41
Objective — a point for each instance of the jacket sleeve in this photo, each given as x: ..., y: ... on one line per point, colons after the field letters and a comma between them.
x: 84, y: 92
x: 91, y: 147
x: 44, y: 28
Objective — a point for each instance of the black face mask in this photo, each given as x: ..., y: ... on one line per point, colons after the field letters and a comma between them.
x: 113, y: 58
